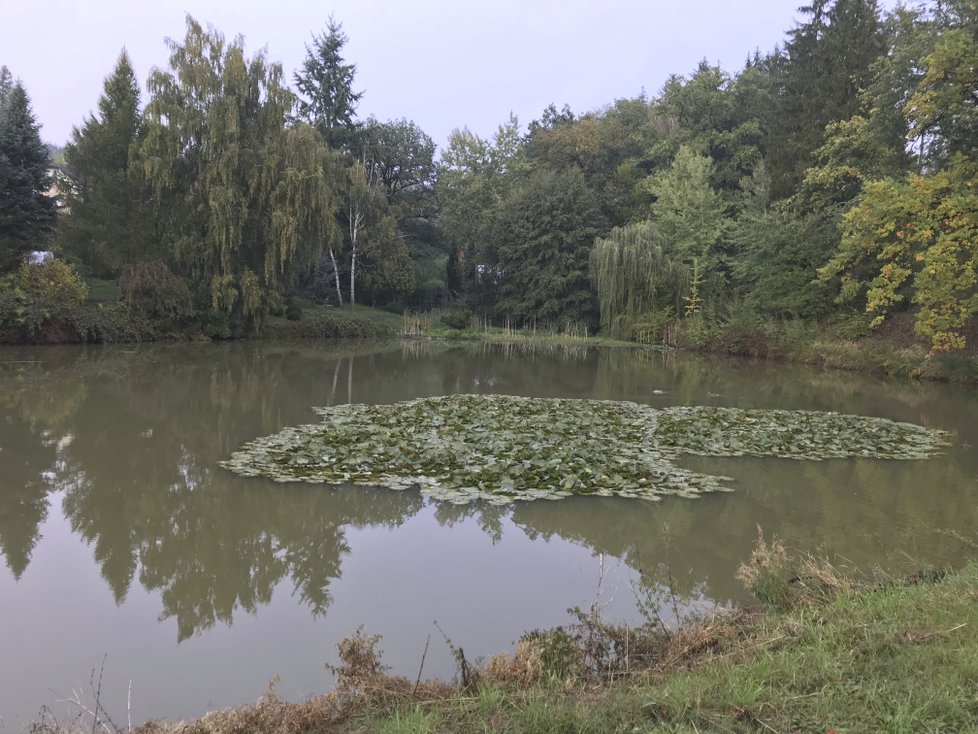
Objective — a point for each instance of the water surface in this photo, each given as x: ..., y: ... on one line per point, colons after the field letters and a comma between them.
x: 122, y: 541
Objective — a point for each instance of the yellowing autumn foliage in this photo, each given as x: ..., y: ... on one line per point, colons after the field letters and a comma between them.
x: 915, y: 242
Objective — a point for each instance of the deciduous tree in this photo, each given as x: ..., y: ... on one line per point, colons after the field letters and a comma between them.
x: 635, y: 278
x: 915, y: 243
x: 242, y: 198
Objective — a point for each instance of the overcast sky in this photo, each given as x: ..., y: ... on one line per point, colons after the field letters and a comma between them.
x: 442, y: 63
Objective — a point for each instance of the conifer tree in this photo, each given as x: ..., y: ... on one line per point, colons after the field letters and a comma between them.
x: 826, y: 60
x: 325, y: 83
x: 107, y: 214
x: 543, y: 232
x: 27, y: 213
x: 6, y: 86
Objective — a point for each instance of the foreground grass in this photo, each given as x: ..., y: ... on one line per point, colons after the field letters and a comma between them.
x: 897, y: 659
x: 826, y: 653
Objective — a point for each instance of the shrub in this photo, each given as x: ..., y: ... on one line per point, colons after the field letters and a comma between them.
x: 769, y: 572
x: 216, y: 324
x: 152, y: 289
x: 457, y: 319
x: 293, y: 313
x: 110, y: 323
x: 47, y: 291
x: 276, y: 304
x: 698, y: 332
x: 555, y: 651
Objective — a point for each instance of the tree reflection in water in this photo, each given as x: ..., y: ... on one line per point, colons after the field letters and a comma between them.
x: 131, y: 437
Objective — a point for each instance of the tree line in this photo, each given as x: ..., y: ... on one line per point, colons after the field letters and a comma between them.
x: 831, y: 178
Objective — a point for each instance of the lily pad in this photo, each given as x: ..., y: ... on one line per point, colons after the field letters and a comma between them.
x: 500, y: 448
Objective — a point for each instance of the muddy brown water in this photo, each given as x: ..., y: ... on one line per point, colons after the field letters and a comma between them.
x: 127, y: 554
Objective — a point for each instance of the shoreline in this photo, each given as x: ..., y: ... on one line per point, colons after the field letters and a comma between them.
x: 824, y: 650
x: 893, y: 353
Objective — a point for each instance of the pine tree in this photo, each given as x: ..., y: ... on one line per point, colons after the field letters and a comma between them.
x: 6, y: 86
x: 325, y: 83
x: 105, y: 225
x: 825, y: 62
x: 27, y: 213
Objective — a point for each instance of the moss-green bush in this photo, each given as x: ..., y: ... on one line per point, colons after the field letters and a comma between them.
x: 152, y: 289
x: 293, y: 313
x: 457, y: 319
x: 48, y: 291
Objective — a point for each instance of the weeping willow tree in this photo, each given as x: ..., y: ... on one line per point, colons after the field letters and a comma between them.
x: 242, y: 198
x: 640, y: 286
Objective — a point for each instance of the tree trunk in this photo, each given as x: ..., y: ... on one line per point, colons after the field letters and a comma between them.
x: 356, y: 224
x: 336, y: 275
x: 353, y: 274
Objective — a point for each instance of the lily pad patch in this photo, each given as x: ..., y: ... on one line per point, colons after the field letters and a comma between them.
x: 500, y: 448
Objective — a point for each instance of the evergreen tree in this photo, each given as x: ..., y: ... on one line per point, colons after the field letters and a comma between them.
x: 325, y: 83
x: 107, y: 214
x: 6, y: 86
x: 824, y: 64
x: 544, y: 232
x: 27, y: 213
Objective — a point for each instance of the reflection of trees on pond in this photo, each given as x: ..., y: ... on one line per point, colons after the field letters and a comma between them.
x: 133, y: 437
x: 142, y: 486
x: 862, y: 513
x: 488, y: 517
x: 35, y: 417
x: 25, y: 458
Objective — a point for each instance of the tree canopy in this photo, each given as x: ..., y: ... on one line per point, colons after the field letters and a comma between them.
x: 325, y: 88
x: 27, y: 213
x: 106, y: 227
x: 828, y: 179
x: 241, y: 197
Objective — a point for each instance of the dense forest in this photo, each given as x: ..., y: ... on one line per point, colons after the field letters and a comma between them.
x: 831, y: 180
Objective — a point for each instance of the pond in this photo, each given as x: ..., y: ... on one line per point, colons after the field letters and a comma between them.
x: 129, y: 554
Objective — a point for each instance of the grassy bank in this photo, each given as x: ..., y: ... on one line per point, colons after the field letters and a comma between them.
x: 825, y: 652
x: 455, y: 325
x: 347, y: 322
x: 892, y: 350
x: 116, y: 323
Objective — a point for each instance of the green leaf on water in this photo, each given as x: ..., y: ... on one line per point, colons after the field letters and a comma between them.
x: 499, y: 448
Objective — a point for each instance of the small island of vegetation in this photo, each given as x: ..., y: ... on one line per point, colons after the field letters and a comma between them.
x: 500, y: 448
